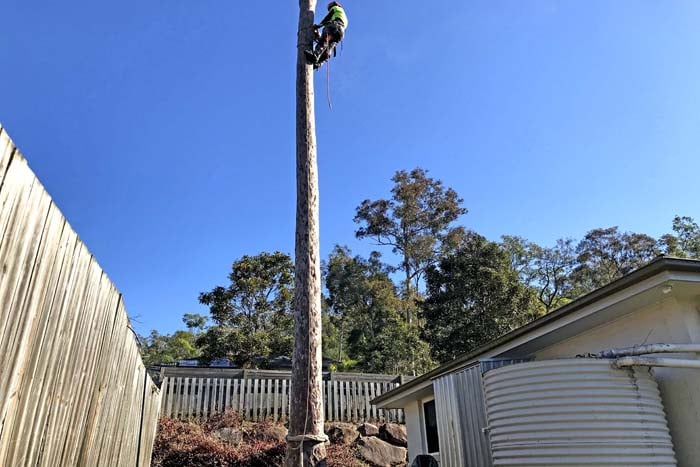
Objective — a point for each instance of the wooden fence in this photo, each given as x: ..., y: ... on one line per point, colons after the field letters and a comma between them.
x: 260, y: 395
x: 73, y: 389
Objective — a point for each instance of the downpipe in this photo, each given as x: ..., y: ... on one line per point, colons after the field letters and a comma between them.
x: 656, y: 362
x: 632, y: 356
x: 647, y: 349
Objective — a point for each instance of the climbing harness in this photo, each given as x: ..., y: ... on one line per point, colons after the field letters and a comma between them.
x: 332, y: 52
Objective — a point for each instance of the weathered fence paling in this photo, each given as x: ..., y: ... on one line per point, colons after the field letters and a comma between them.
x: 73, y: 389
x: 264, y: 395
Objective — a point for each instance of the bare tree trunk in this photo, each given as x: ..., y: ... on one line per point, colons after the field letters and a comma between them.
x: 306, y: 440
x: 340, y: 341
x: 407, y: 290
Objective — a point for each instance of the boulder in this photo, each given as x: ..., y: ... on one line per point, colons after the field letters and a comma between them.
x: 379, y: 453
x: 341, y: 433
x: 229, y: 435
x: 367, y: 429
x: 394, y: 434
x: 275, y: 433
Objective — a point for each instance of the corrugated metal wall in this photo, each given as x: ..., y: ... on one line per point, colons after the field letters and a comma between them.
x: 461, y: 415
x: 449, y: 426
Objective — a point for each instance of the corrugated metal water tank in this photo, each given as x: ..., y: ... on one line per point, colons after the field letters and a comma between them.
x: 576, y: 412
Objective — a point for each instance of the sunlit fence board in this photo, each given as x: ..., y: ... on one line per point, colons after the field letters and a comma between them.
x: 73, y: 389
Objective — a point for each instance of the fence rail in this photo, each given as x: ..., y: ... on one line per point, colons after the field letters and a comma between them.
x: 265, y: 395
x: 73, y: 389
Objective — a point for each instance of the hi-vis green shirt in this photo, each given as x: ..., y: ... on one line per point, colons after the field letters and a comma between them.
x: 336, y: 13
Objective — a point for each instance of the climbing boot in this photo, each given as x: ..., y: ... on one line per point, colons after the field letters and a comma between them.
x: 311, y: 57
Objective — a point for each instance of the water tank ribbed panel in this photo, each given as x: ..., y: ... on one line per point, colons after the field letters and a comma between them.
x: 576, y: 412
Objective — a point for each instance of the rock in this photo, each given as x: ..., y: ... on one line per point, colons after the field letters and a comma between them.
x: 229, y: 435
x: 394, y: 434
x: 367, y: 429
x: 341, y: 433
x: 275, y: 433
x: 379, y: 453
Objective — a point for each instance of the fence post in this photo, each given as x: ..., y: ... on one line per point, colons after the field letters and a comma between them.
x: 143, y: 408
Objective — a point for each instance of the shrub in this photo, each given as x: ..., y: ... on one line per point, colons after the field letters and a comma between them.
x: 192, y: 443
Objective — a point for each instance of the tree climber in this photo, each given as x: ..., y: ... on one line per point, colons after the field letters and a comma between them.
x: 334, y: 25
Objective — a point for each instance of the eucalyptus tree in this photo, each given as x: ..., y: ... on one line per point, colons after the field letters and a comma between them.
x: 306, y: 439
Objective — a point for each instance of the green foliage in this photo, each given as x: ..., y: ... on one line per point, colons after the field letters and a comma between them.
x: 473, y: 296
x: 546, y: 270
x: 157, y: 348
x: 605, y: 255
x: 686, y: 241
x: 476, y: 290
x: 415, y: 222
x: 252, y: 315
x: 367, y: 311
x: 195, y: 322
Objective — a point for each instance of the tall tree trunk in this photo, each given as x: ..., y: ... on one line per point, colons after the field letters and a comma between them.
x: 408, y: 296
x: 306, y: 440
x: 407, y: 289
x: 340, y: 341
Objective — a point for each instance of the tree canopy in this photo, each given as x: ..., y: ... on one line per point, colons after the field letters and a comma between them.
x: 608, y: 254
x: 473, y: 295
x: 440, y: 290
x: 416, y: 222
x: 685, y: 241
x: 252, y: 315
x: 367, y: 309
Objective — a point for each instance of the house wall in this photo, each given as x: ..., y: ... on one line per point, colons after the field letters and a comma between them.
x: 669, y: 321
x: 675, y: 319
x: 414, y: 428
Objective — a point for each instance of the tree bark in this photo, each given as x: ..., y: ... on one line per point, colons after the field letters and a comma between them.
x: 305, y: 443
x: 407, y: 291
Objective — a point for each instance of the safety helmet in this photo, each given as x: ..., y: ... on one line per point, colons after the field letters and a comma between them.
x: 332, y: 4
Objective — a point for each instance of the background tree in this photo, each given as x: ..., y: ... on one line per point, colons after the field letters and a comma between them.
x: 157, y: 348
x: 473, y: 296
x: 416, y: 223
x: 605, y: 255
x: 344, y: 281
x: 546, y: 270
x: 195, y: 322
x: 685, y: 242
x: 333, y: 348
x: 367, y: 307
x: 552, y: 273
x: 521, y: 254
x: 252, y: 315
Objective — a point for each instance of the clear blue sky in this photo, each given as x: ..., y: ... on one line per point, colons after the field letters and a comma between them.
x: 165, y: 129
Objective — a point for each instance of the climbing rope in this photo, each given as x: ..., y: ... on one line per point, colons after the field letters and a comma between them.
x: 328, y: 84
